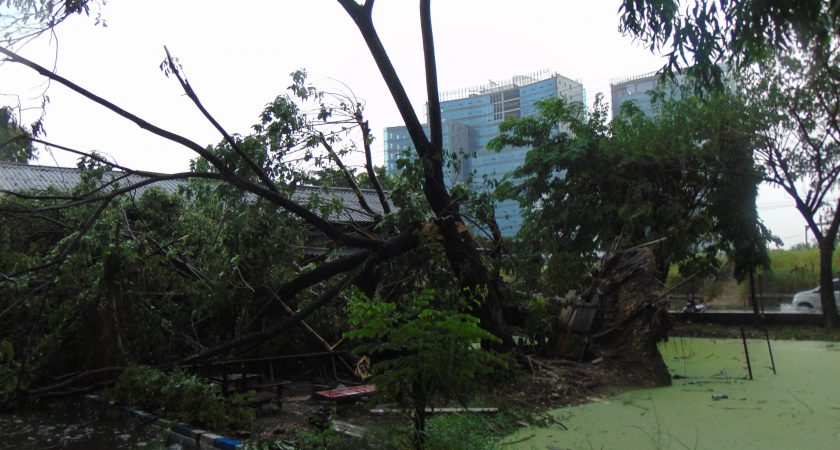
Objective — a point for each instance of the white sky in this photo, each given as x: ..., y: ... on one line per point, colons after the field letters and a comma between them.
x: 237, y: 56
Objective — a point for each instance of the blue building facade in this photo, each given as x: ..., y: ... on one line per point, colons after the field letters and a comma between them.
x: 637, y: 89
x: 471, y: 118
x: 633, y: 89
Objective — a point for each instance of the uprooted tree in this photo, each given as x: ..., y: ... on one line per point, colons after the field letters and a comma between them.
x: 254, y: 302
x: 258, y: 168
x: 685, y: 178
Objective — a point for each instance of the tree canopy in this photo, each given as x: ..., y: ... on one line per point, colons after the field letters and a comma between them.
x: 243, y: 192
x: 710, y: 33
x: 685, y: 177
x: 786, y: 55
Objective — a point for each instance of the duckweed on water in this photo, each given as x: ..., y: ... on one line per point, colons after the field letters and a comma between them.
x: 711, y: 405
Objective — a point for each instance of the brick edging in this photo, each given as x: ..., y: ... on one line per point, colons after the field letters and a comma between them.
x: 184, y: 433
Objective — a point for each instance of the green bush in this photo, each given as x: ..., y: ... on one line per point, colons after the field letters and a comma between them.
x: 434, y: 350
x: 180, y: 396
x: 794, y: 270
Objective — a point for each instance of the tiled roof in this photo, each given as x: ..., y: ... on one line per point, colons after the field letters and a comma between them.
x: 27, y: 178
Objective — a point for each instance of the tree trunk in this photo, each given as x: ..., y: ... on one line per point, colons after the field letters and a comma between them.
x: 753, y: 301
x: 463, y: 256
x: 621, y: 318
x: 829, y: 307
x: 419, y: 419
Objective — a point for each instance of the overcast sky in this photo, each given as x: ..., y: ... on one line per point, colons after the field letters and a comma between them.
x: 238, y: 55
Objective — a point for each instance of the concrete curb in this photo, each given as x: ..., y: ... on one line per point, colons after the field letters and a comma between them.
x: 182, y: 433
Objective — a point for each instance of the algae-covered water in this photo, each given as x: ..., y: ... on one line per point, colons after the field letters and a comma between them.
x: 70, y: 426
x: 711, y: 405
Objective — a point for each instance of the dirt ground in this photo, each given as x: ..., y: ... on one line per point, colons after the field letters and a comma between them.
x: 777, y: 332
x: 545, y: 384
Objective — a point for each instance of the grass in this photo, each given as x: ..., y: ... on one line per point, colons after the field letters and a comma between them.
x: 794, y: 270
x: 472, y: 431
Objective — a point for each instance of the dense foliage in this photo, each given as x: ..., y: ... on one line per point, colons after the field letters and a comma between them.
x: 179, y: 396
x: 14, y: 143
x: 429, y: 348
x: 685, y: 178
x: 155, y: 278
x: 786, y: 56
x: 712, y: 34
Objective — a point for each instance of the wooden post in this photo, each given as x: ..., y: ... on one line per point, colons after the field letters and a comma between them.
x: 746, y: 352
x: 763, y: 322
x: 244, y: 371
x: 224, y: 379
x: 770, y: 349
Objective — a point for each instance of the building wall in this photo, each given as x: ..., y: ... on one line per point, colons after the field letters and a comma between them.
x: 396, y: 141
x: 473, y: 119
x: 634, y: 90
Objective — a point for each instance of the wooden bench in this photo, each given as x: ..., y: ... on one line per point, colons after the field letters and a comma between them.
x: 346, y: 393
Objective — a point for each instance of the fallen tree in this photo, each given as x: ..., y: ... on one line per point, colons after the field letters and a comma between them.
x: 266, y: 166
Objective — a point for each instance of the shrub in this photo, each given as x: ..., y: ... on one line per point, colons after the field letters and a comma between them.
x: 180, y: 396
x: 434, y: 352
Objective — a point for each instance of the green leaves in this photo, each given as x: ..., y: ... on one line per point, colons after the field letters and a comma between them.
x: 15, y: 145
x: 706, y: 33
x: 433, y: 352
x: 587, y: 184
x: 179, y: 396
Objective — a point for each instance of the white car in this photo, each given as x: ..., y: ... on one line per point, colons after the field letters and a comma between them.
x: 810, y: 300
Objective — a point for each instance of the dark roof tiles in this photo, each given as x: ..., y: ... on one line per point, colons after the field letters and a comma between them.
x: 26, y: 178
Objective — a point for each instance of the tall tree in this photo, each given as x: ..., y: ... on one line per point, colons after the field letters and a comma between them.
x: 789, y: 50
x: 459, y: 243
x: 797, y: 98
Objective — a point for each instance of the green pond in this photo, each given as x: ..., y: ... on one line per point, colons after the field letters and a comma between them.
x: 711, y: 404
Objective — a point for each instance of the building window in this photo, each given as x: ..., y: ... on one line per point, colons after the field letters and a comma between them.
x: 506, y: 104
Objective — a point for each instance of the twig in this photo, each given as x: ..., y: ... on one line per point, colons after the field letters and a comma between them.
x: 259, y: 172
x: 347, y: 176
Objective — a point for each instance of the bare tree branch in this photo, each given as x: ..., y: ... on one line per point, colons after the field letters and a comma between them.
x: 258, y: 171
x: 361, y: 16
x: 227, y: 173
x: 374, y: 180
x: 351, y: 181
x: 435, y: 122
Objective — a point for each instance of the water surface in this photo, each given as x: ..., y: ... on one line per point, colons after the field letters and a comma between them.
x: 711, y: 405
x: 71, y: 426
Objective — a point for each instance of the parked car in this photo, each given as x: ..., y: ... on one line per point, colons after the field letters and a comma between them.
x: 810, y: 300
